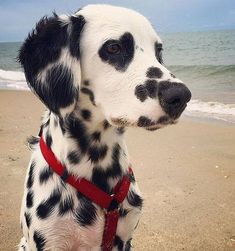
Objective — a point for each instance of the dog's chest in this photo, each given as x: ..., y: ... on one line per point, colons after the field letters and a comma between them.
x: 67, y: 219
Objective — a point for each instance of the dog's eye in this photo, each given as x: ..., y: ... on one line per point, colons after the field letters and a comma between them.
x: 114, y: 48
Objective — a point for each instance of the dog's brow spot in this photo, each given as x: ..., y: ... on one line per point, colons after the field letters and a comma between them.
x: 141, y: 92
x: 152, y: 88
x: 154, y: 72
x: 39, y: 240
x: 121, y: 60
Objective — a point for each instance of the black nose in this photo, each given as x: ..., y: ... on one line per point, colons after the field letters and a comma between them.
x: 173, y: 97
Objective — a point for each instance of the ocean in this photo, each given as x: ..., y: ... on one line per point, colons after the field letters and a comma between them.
x: 204, y: 61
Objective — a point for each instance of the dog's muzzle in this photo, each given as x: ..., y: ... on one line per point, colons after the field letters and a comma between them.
x: 173, y: 97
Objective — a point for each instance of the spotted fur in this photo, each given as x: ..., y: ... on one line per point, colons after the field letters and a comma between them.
x: 95, y: 85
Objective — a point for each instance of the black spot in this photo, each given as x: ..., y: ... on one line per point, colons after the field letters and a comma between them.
x: 29, y: 199
x: 45, y: 174
x: 89, y: 93
x: 123, y: 212
x: 120, y: 130
x: 115, y: 170
x: 43, y: 46
x: 106, y: 124
x: 78, y: 23
x: 48, y: 140
x: 100, y: 179
x: 30, y: 175
x: 55, y: 122
x: 118, y: 242
x: 61, y: 123
x: 128, y: 245
x: 122, y: 59
x: 97, y: 153
x: 134, y: 199
x: 172, y: 75
x: 46, y: 207
x: 141, y: 92
x: 40, y: 240
x: 58, y: 90
x: 96, y: 136
x: 154, y: 72
x: 144, y: 121
x: 32, y: 141
x: 163, y: 120
x: 77, y: 130
x: 158, y: 52
x: 74, y: 157
x: 28, y: 219
x: 66, y: 205
x: 23, y: 247
x: 151, y: 86
x: 86, y: 114
x: 86, y: 82
x: 85, y: 214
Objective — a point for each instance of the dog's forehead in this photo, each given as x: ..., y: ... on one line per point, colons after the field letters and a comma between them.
x: 112, y: 21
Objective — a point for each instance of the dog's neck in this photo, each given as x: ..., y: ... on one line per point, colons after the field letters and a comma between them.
x: 87, y: 144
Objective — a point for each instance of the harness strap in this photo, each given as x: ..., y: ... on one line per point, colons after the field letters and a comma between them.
x: 106, y: 201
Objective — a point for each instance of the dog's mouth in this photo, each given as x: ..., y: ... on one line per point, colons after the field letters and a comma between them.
x: 145, y: 122
x: 152, y: 125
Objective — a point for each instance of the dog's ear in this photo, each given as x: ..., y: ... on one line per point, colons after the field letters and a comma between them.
x: 50, y: 57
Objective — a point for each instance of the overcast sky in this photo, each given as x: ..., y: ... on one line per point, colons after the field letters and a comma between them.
x: 17, y: 17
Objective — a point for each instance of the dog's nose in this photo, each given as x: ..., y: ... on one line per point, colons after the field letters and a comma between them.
x: 173, y: 97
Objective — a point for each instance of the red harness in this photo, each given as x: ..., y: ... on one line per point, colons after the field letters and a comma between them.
x: 110, y: 203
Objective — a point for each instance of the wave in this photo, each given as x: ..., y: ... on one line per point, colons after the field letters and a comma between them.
x: 13, y: 80
x: 216, y: 110
x: 208, y: 70
x: 16, y: 80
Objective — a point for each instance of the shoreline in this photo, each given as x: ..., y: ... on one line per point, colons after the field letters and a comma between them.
x: 185, y: 172
x: 203, y: 119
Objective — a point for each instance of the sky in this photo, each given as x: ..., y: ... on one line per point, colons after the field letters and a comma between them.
x: 18, y: 17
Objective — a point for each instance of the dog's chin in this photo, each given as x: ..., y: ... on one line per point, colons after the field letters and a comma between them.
x: 157, y: 126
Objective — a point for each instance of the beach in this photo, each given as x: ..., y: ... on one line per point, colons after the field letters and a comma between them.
x: 186, y: 173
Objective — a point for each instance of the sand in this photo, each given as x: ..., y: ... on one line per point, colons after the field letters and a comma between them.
x: 186, y: 173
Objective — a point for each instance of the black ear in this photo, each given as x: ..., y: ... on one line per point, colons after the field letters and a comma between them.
x: 50, y: 58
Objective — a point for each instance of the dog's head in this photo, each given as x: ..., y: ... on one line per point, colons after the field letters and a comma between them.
x: 114, y: 55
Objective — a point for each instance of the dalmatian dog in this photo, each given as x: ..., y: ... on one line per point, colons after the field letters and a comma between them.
x: 98, y: 72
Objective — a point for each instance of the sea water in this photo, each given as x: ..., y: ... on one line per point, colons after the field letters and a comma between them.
x: 204, y: 61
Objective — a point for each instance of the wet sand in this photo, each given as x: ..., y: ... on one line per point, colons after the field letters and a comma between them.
x: 186, y: 173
